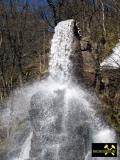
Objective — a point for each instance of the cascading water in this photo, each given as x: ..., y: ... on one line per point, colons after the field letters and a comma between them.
x: 61, y: 114
x: 61, y: 49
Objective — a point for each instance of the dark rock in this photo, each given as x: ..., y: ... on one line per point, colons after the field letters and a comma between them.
x: 49, y: 137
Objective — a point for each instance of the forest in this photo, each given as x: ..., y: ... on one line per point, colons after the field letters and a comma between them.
x: 26, y: 30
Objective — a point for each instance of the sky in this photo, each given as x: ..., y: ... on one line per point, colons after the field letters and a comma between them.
x: 41, y: 2
x: 47, y: 12
x: 108, y: 3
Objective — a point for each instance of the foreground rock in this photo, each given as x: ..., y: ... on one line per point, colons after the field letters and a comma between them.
x: 57, y: 132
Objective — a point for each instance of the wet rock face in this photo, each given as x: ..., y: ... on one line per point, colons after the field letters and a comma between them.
x: 3, y: 135
x: 76, y: 57
x: 54, y: 134
x: 46, y: 120
x: 77, y: 31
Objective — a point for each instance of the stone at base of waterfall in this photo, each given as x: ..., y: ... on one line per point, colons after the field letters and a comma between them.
x: 17, y: 141
x: 53, y: 137
x: 49, y: 146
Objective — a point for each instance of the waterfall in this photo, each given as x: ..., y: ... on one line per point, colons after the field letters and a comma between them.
x: 62, y: 114
x: 61, y: 49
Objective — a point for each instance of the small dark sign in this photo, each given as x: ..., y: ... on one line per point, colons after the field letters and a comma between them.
x: 104, y: 149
